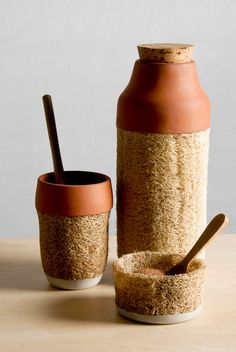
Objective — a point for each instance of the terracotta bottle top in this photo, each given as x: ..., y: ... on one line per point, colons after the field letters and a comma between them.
x: 85, y: 193
x: 164, y: 97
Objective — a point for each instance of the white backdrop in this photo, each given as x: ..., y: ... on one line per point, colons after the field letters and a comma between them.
x: 82, y: 53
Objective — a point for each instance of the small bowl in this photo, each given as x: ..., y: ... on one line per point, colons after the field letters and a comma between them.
x: 142, y: 294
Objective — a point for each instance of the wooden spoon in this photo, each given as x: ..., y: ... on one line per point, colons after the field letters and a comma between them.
x: 52, y: 133
x: 216, y: 224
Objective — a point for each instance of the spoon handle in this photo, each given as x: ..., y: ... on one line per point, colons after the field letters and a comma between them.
x: 53, y: 138
x: 216, y: 224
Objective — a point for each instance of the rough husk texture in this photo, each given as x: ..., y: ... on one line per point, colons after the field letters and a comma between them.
x: 154, y: 294
x: 74, y: 247
x: 161, y: 190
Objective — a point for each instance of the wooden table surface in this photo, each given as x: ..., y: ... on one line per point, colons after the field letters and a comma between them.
x: 37, y: 317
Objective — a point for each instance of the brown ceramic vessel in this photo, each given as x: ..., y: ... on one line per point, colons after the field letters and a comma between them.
x: 163, y: 98
x: 84, y: 193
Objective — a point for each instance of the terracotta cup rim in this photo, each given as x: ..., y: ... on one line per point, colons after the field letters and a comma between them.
x: 44, y: 178
x: 91, y: 196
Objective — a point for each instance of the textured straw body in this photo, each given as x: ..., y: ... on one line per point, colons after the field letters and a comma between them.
x: 75, y: 247
x: 163, y: 120
x: 153, y: 295
x: 161, y: 190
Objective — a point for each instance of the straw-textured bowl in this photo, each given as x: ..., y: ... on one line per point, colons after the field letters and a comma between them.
x: 145, y: 296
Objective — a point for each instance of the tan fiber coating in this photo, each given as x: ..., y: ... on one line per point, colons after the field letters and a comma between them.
x: 163, y: 98
x: 85, y: 193
x: 161, y: 190
x: 166, y: 52
x: 150, y: 294
x: 74, y: 247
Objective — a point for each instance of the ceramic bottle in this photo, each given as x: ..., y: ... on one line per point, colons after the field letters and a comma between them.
x: 163, y: 121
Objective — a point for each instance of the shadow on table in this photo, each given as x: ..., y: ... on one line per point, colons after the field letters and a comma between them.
x: 86, y: 309
x: 22, y: 275
x: 28, y: 275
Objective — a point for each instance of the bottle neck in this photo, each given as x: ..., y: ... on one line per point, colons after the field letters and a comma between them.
x: 163, y: 98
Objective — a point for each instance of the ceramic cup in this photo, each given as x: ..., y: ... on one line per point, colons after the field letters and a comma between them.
x: 73, y: 226
x: 142, y: 294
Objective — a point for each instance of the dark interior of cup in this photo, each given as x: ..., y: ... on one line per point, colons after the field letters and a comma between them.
x: 79, y: 178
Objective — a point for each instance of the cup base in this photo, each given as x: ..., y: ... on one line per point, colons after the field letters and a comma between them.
x: 73, y: 284
x: 160, y: 319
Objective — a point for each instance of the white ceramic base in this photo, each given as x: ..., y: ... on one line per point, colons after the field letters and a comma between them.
x: 160, y: 319
x: 73, y: 284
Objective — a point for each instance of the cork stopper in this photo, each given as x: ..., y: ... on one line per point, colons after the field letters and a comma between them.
x: 166, y: 52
